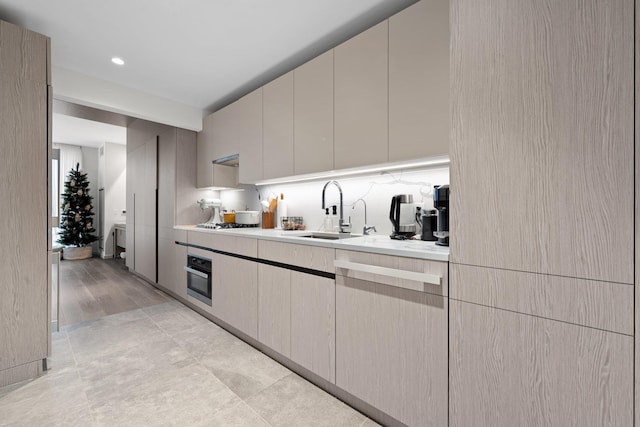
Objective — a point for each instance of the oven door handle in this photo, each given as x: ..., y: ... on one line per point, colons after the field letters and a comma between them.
x: 196, y: 272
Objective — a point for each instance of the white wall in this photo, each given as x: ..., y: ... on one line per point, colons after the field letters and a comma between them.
x: 114, y: 172
x: 82, y: 89
x: 305, y: 199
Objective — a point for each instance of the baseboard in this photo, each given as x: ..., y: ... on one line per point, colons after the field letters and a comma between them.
x: 20, y: 373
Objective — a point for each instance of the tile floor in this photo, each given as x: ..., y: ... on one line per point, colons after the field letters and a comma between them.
x: 166, y: 365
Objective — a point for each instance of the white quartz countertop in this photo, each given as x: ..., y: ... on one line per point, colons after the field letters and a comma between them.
x: 375, y: 243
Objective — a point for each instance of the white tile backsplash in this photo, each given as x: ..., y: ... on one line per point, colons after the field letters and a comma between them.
x: 305, y: 198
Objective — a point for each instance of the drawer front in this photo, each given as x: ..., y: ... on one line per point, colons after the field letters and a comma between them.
x: 394, y: 271
x: 232, y: 244
x: 601, y: 305
x: 313, y: 257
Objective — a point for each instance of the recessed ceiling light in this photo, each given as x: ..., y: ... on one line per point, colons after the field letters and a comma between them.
x: 117, y: 61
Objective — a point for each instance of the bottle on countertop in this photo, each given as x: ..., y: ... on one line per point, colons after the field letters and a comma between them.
x: 282, y: 209
x: 335, y: 223
x: 327, y: 225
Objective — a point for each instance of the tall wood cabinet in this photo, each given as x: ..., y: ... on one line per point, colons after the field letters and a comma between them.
x: 160, y: 193
x: 142, y: 209
x: 24, y: 170
x: 542, y: 179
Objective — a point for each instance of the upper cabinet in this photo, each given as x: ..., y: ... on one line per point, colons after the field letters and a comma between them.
x: 361, y: 99
x: 382, y: 96
x: 248, y: 135
x: 235, y: 129
x: 205, y: 153
x: 313, y: 112
x: 277, y: 127
x: 419, y: 81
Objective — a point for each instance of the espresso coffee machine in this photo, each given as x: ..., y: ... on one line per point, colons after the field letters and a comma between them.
x: 402, y: 216
x: 441, y: 203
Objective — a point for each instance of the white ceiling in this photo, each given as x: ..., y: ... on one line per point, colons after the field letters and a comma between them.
x: 202, y: 53
x: 86, y: 133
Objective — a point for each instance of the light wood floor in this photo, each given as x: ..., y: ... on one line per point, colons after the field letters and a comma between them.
x: 94, y: 288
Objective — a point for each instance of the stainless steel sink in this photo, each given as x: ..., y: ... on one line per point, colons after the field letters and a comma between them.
x: 328, y: 236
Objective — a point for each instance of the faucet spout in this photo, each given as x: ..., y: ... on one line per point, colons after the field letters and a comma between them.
x: 365, y: 208
x: 365, y: 229
x: 343, y: 225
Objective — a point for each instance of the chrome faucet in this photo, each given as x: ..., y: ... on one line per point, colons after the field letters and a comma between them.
x: 343, y: 226
x: 366, y: 229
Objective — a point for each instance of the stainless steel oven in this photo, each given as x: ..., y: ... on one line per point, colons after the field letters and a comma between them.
x: 199, y: 278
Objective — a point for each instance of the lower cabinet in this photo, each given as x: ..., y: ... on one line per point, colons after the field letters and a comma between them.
x: 234, y: 289
x: 180, y: 276
x: 313, y: 323
x: 510, y: 369
x: 274, y: 308
x: 391, y: 349
x: 296, y: 317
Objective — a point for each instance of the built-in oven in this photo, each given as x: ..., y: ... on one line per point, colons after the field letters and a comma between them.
x: 199, y: 278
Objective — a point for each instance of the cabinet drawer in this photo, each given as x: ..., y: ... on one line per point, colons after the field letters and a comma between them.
x: 601, y: 305
x: 232, y: 244
x: 395, y: 271
x: 313, y: 257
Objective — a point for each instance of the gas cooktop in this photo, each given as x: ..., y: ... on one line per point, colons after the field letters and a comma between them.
x: 223, y: 225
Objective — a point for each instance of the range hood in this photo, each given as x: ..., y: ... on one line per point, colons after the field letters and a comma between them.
x: 225, y: 172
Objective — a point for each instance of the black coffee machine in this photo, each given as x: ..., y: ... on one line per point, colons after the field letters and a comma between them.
x: 441, y: 203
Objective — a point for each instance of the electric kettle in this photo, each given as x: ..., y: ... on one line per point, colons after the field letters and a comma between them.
x: 402, y: 216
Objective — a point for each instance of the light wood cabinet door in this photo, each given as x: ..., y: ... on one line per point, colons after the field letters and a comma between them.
x: 313, y: 112
x: 179, y: 285
x: 223, y: 124
x: 144, y: 209
x: 391, y: 349
x: 24, y: 256
x: 510, y: 369
x: 542, y: 136
x: 247, y: 131
x: 23, y: 55
x: 205, y: 152
x: 234, y: 289
x: 313, y: 324
x: 166, y: 263
x: 166, y: 182
x: 277, y: 127
x: 361, y: 99
x: 274, y: 308
x: 419, y: 81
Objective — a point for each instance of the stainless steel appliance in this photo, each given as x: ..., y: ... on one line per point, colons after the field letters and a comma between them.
x: 199, y: 278
x: 441, y: 203
x: 402, y: 216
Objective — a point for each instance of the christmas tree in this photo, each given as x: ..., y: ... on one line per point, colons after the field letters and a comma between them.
x: 76, y: 219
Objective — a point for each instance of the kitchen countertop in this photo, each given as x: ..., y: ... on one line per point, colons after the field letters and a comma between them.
x: 375, y: 243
